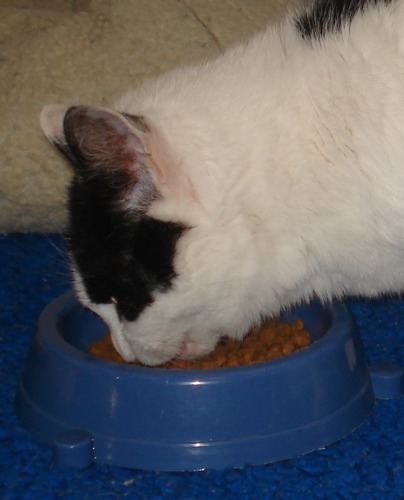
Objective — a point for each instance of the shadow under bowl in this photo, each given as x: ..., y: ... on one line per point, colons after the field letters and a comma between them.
x: 92, y: 410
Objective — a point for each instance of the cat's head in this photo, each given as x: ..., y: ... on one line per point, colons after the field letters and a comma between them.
x: 146, y: 255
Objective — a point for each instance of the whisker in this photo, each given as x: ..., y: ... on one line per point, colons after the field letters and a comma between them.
x: 59, y: 251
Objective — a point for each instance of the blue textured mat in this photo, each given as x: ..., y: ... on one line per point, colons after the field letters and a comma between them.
x: 369, y: 463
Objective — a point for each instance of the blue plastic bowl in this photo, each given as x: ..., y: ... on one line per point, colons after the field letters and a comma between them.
x: 152, y: 418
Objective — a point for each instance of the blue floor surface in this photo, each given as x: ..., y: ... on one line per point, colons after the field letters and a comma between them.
x: 367, y: 464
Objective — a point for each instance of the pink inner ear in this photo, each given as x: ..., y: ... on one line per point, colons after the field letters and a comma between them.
x: 103, y: 139
x: 167, y: 169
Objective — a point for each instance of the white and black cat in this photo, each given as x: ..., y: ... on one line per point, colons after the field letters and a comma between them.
x: 224, y: 192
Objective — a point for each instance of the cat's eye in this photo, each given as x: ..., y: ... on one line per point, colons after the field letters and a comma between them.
x: 113, y: 300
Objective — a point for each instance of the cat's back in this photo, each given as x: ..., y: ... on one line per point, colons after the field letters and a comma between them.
x: 365, y: 26
x: 323, y: 85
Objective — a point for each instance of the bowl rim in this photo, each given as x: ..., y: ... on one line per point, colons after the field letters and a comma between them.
x: 48, y: 332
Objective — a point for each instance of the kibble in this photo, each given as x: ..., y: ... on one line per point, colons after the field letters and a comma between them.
x: 271, y: 340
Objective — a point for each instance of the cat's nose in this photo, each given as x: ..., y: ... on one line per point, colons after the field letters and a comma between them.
x: 188, y: 349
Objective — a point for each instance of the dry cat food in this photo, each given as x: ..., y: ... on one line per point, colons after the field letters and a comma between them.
x: 272, y: 340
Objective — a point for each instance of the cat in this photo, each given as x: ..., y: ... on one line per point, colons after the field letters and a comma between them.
x: 224, y: 192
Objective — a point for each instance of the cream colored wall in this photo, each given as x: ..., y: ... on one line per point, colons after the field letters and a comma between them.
x: 90, y: 51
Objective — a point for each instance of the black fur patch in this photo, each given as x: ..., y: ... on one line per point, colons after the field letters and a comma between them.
x: 120, y: 257
x: 329, y: 16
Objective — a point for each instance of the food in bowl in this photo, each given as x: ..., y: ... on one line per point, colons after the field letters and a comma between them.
x: 271, y: 340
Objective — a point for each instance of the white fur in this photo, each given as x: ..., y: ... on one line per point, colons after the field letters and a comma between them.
x: 294, y: 154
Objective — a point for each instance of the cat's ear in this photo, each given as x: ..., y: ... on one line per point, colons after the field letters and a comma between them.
x: 100, y: 142
x: 95, y: 139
